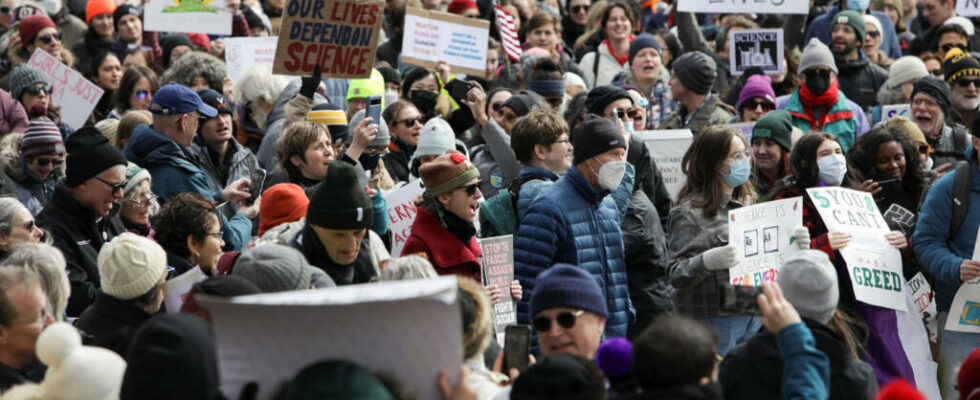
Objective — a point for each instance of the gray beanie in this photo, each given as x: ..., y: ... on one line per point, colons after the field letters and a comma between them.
x: 817, y: 54
x: 278, y: 268
x: 24, y: 76
x: 696, y: 71
x: 436, y: 137
x: 356, y: 119
x: 809, y: 282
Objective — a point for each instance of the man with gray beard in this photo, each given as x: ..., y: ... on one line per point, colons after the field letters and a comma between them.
x: 930, y: 108
x: 962, y: 73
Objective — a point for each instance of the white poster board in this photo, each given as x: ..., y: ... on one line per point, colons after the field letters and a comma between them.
x: 431, y: 36
x: 745, y: 128
x: 895, y: 110
x: 176, y: 289
x: 746, y: 6
x: 667, y: 148
x: 967, y: 8
x: 409, y: 330
x: 764, y: 235
x: 964, y: 313
x: 755, y: 48
x: 401, y: 213
x: 187, y: 16
x: 241, y: 53
x: 874, y: 265
x: 76, y: 95
x: 924, y: 301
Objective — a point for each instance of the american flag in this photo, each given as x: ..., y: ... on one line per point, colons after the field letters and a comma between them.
x: 508, y: 34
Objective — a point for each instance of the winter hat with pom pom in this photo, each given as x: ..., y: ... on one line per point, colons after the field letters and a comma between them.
x: 76, y: 371
x: 615, y: 357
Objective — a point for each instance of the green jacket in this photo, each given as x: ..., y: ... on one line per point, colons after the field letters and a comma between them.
x: 838, y: 120
x: 712, y: 112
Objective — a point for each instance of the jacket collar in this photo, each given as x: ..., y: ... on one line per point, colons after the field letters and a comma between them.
x: 532, y: 172
x: 150, y: 146
x: 450, y: 251
x: 583, y: 187
x: 120, y: 310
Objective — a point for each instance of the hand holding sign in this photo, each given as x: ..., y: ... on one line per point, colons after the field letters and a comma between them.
x: 969, y: 270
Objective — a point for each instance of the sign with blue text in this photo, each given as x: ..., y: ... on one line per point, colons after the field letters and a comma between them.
x: 433, y: 36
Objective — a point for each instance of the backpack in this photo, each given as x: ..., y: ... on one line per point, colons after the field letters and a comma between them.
x: 498, y: 215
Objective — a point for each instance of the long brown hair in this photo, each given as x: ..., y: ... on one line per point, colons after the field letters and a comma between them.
x: 704, y: 186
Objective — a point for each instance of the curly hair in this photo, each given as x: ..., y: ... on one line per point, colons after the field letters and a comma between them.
x: 184, y: 215
x: 865, y: 151
x: 196, y: 63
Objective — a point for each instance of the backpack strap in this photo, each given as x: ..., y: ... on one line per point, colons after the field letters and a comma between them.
x: 595, y: 68
x: 961, y: 196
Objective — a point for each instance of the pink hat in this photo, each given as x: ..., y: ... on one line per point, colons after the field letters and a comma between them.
x: 758, y: 86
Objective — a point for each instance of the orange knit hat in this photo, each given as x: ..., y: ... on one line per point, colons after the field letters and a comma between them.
x: 97, y: 7
x: 281, y: 203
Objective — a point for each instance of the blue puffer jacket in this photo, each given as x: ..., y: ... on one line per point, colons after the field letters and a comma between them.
x: 536, y: 179
x: 571, y: 222
x: 174, y: 173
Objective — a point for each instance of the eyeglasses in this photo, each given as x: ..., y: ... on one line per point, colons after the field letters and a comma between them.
x: 496, y: 106
x: 752, y: 104
x: 44, y: 162
x: 740, y: 156
x: 142, y: 203
x: 580, y: 8
x: 565, y: 320
x: 142, y: 94
x: 37, y: 90
x: 409, y: 122
x: 936, y: 72
x: 873, y: 34
x: 115, y: 186
x: 213, y: 234
x: 813, y: 73
x: 562, y: 141
x: 965, y: 83
x: 47, y: 39
x: 624, y: 114
x: 949, y: 46
x: 472, y: 188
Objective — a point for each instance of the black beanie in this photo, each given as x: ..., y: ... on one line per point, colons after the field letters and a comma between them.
x: 520, y: 103
x: 562, y: 376
x: 89, y: 153
x: 600, y: 97
x: 124, y: 10
x: 696, y: 71
x: 339, y: 201
x: 935, y: 88
x: 390, y: 75
x: 169, y: 42
x: 594, y: 136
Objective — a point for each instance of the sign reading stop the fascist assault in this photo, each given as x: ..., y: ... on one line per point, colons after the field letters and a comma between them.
x: 340, y: 36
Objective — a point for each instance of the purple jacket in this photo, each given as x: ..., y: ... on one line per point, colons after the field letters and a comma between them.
x: 13, y: 117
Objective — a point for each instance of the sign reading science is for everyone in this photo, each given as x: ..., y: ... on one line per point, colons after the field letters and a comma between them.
x: 341, y: 36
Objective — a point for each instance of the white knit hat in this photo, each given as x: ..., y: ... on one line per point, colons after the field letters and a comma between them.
x: 77, y: 372
x: 906, y: 69
x: 809, y: 282
x: 435, y: 138
x: 130, y: 265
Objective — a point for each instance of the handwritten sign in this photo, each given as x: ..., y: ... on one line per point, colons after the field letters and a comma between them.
x: 874, y: 265
x: 895, y: 110
x: 755, y: 48
x: 968, y: 8
x: 187, y: 16
x: 745, y: 6
x: 498, y: 270
x: 667, y: 148
x: 341, y: 36
x: 243, y: 52
x: 401, y: 213
x: 764, y: 233
x: 70, y: 90
x: 430, y: 36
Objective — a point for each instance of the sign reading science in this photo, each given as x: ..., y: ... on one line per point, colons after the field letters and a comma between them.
x: 341, y: 36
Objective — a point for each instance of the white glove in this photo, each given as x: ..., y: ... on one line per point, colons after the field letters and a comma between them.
x: 723, y: 257
x: 802, y: 235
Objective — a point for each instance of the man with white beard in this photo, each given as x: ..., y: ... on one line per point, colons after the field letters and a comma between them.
x: 930, y: 107
x: 962, y: 73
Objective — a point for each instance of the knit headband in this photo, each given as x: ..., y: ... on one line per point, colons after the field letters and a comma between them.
x: 546, y: 87
x: 468, y: 174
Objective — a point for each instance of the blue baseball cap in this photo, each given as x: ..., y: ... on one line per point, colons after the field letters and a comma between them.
x: 174, y: 98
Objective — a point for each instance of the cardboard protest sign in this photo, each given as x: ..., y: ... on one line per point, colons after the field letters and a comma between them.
x: 76, y: 95
x: 431, y: 36
x: 764, y: 233
x: 176, y: 289
x: 874, y: 265
x: 756, y: 48
x: 201, y: 16
x: 408, y: 330
x: 244, y: 52
x: 341, y: 36
x: 964, y: 313
x: 745, y: 6
x: 895, y: 110
x: 498, y: 270
x: 667, y: 149
x: 967, y: 8
x: 401, y: 213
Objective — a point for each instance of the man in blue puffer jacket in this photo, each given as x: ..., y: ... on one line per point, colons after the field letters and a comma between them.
x: 574, y: 221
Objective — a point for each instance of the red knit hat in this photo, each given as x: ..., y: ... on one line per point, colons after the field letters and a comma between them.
x: 98, y: 7
x: 899, y: 389
x: 281, y: 203
x: 458, y: 6
x: 200, y: 40
x: 968, y: 381
x: 30, y: 26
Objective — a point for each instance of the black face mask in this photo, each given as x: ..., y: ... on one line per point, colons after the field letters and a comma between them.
x: 424, y: 100
x: 817, y: 84
x: 369, y: 161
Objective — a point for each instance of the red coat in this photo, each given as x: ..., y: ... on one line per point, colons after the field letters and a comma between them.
x: 445, y: 251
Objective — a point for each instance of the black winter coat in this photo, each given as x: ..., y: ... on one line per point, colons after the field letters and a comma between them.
x: 860, y: 81
x: 647, y: 258
x: 112, y: 323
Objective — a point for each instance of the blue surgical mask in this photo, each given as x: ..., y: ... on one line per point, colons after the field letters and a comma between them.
x: 858, y: 5
x: 739, y: 173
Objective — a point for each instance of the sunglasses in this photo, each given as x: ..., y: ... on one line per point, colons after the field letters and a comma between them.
x: 755, y: 103
x: 47, y: 39
x: 873, y: 34
x: 142, y: 94
x: 565, y: 320
x: 115, y: 186
x: 813, y: 73
x: 936, y: 72
x: 472, y: 188
x: 580, y: 8
x: 964, y: 83
x: 496, y: 106
x: 625, y: 114
x: 949, y: 46
x: 44, y: 162
x: 37, y: 90
x: 144, y: 203
x: 409, y: 122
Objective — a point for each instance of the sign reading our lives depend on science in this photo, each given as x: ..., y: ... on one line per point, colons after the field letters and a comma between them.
x: 667, y: 148
x: 433, y: 36
x: 874, y: 265
x: 70, y: 90
x: 764, y: 235
x: 341, y: 36
x: 747, y: 6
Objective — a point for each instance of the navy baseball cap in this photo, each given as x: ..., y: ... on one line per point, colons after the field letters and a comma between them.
x: 214, y: 99
x: 174, y: 98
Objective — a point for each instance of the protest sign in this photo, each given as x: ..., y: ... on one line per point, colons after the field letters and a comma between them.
x: 199, y: 16
x: 895, y: 110
x: 431, y: 36
x: 176, y: 289
x: 341, y: 36
x: 745, y: 6
x: 967, y: 8
x: 70, y: 90
x: 745, y: 128
x: 242, y: 53
x: 401, y: 213
x: 964, y: 313
x: 667, y: 149
x: 407, y: 330
x: 874, y: 265
x: 764, y: 235
x: 755, y: 48
x: 924, y: 301
x: 498, y: 270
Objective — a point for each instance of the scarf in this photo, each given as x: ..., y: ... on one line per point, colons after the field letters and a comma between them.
x: 317, y: 255
x: 461, y: 229
x: 811, y: 101
x: 621, y: 59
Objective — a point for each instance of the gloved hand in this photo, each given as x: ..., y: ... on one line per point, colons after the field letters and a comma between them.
x: 310, y: 83
x: 802, y: 238
x: 723, y: 257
